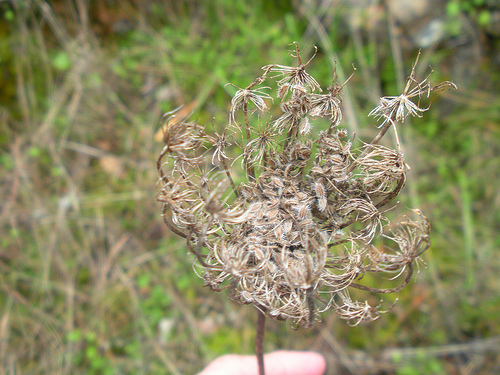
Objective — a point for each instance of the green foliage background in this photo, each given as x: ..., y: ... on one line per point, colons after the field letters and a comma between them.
x: 91, y: 281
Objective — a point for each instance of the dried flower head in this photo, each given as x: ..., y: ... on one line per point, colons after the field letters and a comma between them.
x: 300, y: 230
x: 294, y: 77
x: 329, y: 105
x: 398, y: 108
x: 248, y: 95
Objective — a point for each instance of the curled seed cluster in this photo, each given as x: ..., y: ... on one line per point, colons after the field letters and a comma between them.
x: 292, y: 229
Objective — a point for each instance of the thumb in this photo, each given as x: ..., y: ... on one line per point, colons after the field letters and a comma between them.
x: 276, y: 363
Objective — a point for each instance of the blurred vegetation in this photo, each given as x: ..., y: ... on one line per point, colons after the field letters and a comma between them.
x: 91, y: 281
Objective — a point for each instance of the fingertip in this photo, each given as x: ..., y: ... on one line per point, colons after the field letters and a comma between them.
x: 276, y: 363
x: 227, y: 364
x: 295, y: 363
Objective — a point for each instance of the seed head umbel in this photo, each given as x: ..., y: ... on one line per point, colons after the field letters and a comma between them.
x: 293, y: 227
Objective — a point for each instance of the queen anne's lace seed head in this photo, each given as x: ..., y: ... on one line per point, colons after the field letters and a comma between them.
x: 307, y: 221
x: 398, y: 108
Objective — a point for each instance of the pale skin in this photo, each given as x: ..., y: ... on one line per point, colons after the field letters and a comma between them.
x: 276, y: 363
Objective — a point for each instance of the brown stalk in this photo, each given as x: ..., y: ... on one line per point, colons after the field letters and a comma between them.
x: 259, y: 341
x: 248, y: 168
x: 228, y: 174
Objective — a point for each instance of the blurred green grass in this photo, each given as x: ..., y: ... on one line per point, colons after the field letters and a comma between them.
x: 91, y: 281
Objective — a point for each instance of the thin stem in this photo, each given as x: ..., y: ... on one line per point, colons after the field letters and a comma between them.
x: 387, y: 291
x: 291, y: 135
x: 339, y: 242
x: 247, y: 122
x: 197, y: 253
x: 228, y: 174
x: 171, y: 225
x: 259, y: 341
x: 158, y: 165
x: 368, y: 148
x: 310, y: 306
x: 248, y: 168
x: 393, y: 193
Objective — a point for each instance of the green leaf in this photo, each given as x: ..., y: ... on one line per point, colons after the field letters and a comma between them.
x: 61, y: 61
x: 453, y: 8
x: 7, y: 162
x: 74, y: 336
x: 144, y: 280
x: 91, y: 353
x: 34, y: 152
x: 9, y: 15
x: 484, y: 17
